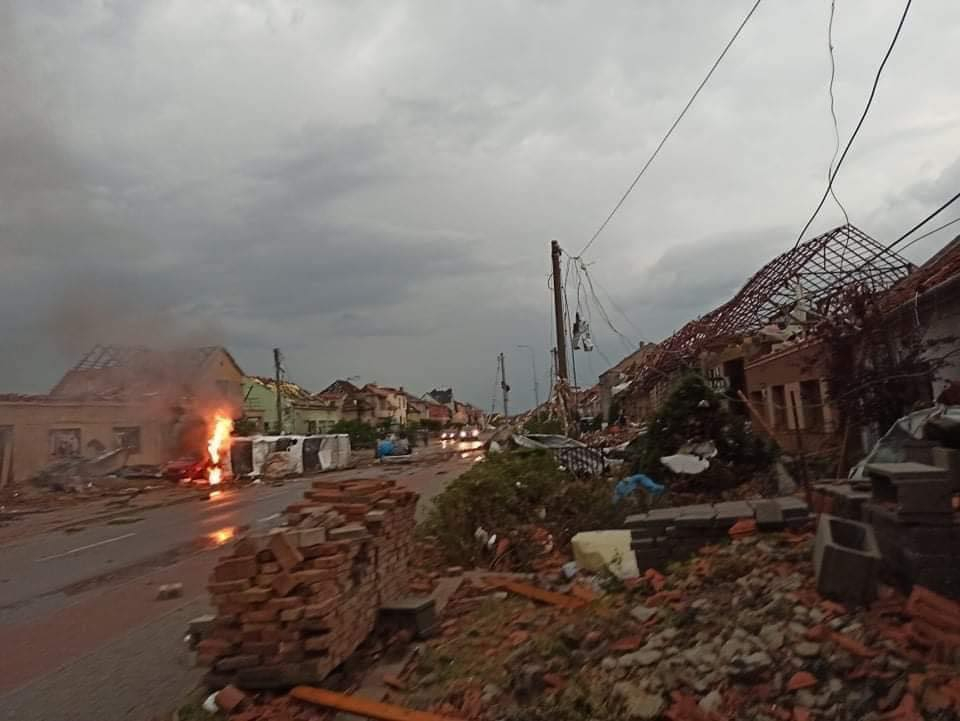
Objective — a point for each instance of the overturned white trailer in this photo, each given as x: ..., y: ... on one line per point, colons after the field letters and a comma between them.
x: 289, y: 455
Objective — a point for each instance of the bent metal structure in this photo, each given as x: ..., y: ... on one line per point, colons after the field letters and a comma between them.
x: 808, y: 276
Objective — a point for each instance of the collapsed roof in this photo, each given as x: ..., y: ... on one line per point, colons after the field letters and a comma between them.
x: 116, y: 371
x: 796, y: 283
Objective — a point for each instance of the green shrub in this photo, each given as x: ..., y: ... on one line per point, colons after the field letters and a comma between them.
x: 523, y: 489
x: 361, y: 434
x: 694, y: 413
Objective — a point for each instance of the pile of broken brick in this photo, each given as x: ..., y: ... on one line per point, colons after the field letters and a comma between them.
x: 294, y: 603
x: 736, y: 632
x: 740, y: 613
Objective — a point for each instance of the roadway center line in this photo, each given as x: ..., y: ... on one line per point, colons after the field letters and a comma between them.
x: 84, y: 548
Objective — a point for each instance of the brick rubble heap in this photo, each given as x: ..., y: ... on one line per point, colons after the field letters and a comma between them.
x: 293, y: 603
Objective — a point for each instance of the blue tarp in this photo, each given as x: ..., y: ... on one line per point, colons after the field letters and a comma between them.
x: 384, y: 448
x: 628, y: 485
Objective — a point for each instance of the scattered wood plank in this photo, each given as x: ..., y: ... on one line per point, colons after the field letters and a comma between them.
x: 539, y: 594
x: 363, y: 707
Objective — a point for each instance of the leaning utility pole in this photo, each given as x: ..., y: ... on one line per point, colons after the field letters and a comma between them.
x: 558, y: 312
x: 503, y: 386
x: 276, y: 369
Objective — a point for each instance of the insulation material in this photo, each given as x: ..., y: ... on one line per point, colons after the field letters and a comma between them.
x: 599, y: 550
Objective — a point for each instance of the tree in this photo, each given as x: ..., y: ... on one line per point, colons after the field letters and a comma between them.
x: 875, y: 371
x: 361, y: 434
x: 693, y: 413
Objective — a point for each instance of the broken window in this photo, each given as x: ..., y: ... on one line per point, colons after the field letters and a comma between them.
x: 779, y: 407
x: 311, y: 427
x: 811, y: 400
x: 128, y: 437
x: 283, y: 444
x: 756, y: 400
x: 65, y: 442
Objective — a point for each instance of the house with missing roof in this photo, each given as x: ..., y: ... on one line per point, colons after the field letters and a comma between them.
x: 152, y: 404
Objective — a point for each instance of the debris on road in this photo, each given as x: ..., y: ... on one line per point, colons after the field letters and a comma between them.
x: 538, y: 594
x: 230, y: 699
x: 169, y: 590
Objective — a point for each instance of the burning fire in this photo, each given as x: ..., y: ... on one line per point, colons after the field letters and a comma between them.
x: 217, y: 447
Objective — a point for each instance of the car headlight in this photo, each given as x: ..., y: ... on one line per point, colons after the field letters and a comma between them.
x: 475, y: 433
x: 463, y: 434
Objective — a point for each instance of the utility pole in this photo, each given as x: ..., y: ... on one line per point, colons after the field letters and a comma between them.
x: 558, y: 312
x: 277, y: 366
x: 503, y: 386
x: 553, y: 371
x: 536, y: 384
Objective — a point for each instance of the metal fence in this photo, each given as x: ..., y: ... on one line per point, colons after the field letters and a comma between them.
x: 581, y: 461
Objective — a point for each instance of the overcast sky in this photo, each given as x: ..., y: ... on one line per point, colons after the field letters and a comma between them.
x: 372, y: 186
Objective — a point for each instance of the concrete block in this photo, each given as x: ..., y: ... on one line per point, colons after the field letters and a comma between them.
x: 696, y: 517
x: 902, y: 471
x: 846, y: 560
x: 918, y: 450
x: 652, y: 559
x: 925, y: 495
x: 654, y: 521
x: 792, y: 507
x: 949, y: 460
x: 729, y: 512
x: 916, y: 488
x: 418, y: 613
x: 769, y: 516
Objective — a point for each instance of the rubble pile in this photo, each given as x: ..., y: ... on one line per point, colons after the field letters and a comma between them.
x: 293, y: 603
x: 736, y: 632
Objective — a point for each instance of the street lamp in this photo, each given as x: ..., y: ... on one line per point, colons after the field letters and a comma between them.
x: 533, y: 363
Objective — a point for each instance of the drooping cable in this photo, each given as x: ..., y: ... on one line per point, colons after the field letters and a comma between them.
x: 928, y: 234
x: 663, y: 140
x: 856, y: 130
x: 833, y: 111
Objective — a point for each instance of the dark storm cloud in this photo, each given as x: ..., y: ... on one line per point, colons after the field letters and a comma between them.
x: 372, y: 185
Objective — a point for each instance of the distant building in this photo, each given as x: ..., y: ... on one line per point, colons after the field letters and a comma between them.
x: 152, y: 404
x: 416, y: 409
x: 442, y: 395
x: 436, y: 411
x: 303, y: 412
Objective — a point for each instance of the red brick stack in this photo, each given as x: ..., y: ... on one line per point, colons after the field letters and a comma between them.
x: 292, y: 604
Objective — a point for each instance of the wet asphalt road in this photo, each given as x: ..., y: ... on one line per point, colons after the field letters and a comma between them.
x: 81, y: 634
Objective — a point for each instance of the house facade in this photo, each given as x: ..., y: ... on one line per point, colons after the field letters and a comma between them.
x: 303, y: 412
x: 155, y: 405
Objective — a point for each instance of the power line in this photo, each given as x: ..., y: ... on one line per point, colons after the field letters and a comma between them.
x: 915, y: 228
x: 833, y: 111
x: 670, y: 130
x: 856, y: 130
x: 929, y: 233
x: 922, y: 223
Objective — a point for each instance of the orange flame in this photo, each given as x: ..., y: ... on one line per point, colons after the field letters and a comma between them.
x: 217, y: 446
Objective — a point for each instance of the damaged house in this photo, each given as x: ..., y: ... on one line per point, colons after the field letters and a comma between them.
x: 149, y: 404
x: 761, y: 349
